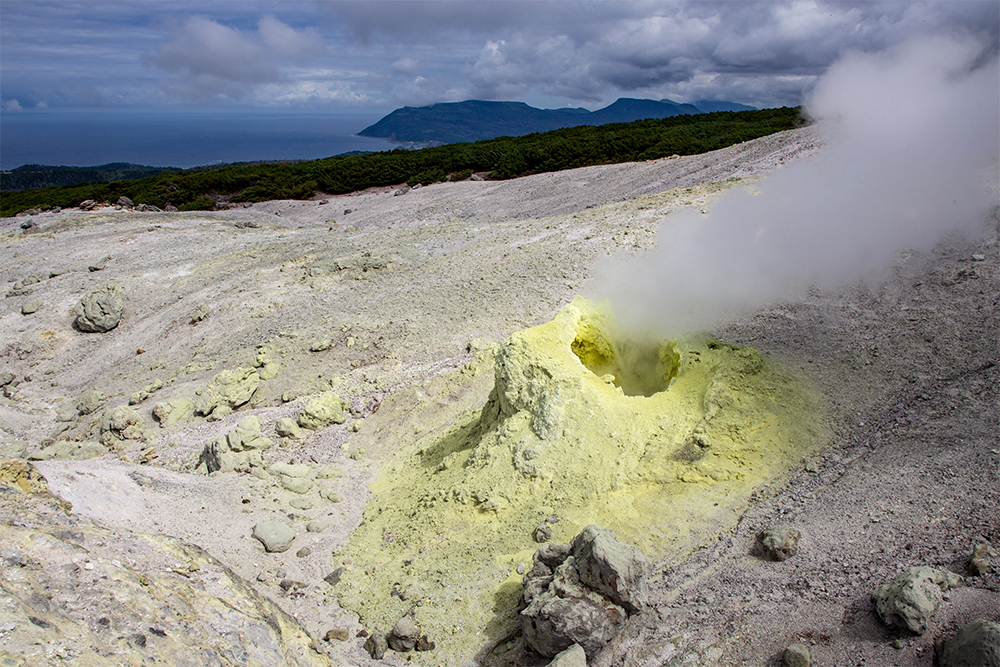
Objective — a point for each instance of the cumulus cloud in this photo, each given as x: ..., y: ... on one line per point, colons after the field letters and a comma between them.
x: 208, y: 60
x: 660, y: 49
x: 11, y: 105
x: 912, y: 154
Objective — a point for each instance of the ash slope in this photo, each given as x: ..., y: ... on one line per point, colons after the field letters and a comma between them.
x: 401, y: 285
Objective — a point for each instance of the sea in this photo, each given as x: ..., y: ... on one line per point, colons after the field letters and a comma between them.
x: 177, y: 139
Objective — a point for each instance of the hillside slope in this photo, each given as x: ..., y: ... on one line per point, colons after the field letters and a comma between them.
x: 393, y: 303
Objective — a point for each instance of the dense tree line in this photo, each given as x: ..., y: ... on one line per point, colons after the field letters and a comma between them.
x: 502, y: 158
x: 42, y: 176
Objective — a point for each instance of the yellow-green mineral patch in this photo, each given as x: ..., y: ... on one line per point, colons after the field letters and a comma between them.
x: 661, y: 441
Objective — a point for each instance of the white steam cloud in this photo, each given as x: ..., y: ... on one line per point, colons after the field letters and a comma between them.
x: 911, y: 154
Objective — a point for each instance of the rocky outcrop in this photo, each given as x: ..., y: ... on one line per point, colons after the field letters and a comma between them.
x: 582, y: 593
x: 24, y: 285
x: 240, y: 449
x: 911, y: 599
x: 173, y: 411
x: 227, y: 391
x: 100, y: 310
x: 69, y: 449
x: 121, y: 425
x: 975, y: 645
x: 145, y: 392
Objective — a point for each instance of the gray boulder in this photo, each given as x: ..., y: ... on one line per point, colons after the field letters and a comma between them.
x: 616, y: 570
x: 100, y: 310
x: 404, y: 635
x: 582, y: 593
x: 911, y: 599
x: 975, y: 645
x: 274, y: 535
x: 125, y: 201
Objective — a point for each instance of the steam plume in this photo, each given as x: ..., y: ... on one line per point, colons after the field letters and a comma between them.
x: 912, y: 150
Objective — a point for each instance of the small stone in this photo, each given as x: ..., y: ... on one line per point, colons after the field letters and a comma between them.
x: 290, y: 585
x: 520, y: 568
x: 981, y: 562
x: 274, y: 535
x: 31, y: 306
x: 301, y: 503
x: 303, y: 552
x: 780, y: 543
x: 404, y: 635
x: 200, y: 312
x: 320, y: 346
x: 425, y: 644
x: 317, y: 526
x: 334, y: 577
x: 542, y: 533
x: 262, y: 577
x: 376, y: 645
x: 340, y: 634
x: 978, y: 258
x: 796, y: 655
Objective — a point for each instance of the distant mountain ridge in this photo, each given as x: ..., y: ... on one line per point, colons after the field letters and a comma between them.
x: 473, y: 120
x: 43, y: 176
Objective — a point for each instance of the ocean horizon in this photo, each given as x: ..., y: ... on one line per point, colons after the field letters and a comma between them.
x: 177, y: 139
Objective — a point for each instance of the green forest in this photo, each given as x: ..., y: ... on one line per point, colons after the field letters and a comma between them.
x: 501, y: 158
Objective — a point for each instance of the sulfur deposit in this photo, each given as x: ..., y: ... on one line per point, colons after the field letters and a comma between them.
x: 661, y: 441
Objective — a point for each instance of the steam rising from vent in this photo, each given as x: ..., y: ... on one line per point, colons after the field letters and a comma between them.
x: 912, y: 140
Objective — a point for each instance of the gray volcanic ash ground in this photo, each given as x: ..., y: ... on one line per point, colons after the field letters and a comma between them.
x: 384, y: 302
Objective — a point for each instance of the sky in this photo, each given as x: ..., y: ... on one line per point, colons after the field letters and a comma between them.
x: 373, y: 56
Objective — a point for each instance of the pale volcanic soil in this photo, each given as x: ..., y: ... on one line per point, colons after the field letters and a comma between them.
x: 403, y: 287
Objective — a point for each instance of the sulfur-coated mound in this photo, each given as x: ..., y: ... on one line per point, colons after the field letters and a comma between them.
x: 660, y: 441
